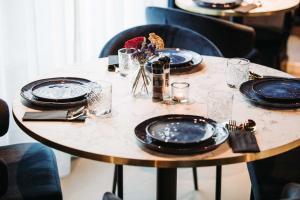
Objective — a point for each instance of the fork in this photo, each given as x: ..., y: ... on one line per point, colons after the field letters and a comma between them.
x: 232, y: 125
x: 79, y: 114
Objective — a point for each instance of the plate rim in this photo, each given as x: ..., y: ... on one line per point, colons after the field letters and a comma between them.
x: 264, y: 103
x: 61, y: 99
x: 174, y: 142
x: 52, y: 104
x: 223, y: 6
x: 269, y: 97
x: 146, y: 145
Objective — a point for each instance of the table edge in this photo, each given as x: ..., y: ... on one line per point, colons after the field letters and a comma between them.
x: 247, y: 157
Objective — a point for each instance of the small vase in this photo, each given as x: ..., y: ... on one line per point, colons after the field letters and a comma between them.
x: 141, y: 82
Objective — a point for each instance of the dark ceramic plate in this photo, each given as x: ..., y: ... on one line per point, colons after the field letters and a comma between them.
x: 218, y: 4
x: 147, y: 142
x: 278, y: 90
x: 246, y: 89
x: 60, y: 90
x: 181, y: 129
x: 178, y: 57
x: 196, y: 60
x: 26, y: 94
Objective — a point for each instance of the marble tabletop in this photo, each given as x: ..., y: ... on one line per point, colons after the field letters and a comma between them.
x: 269, y: 7
x: 112, y: 139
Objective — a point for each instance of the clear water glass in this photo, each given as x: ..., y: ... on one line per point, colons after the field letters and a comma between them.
x: 99, y: 99
x: 125, y: 61
x: 237, y: 72
x: 219, y: 105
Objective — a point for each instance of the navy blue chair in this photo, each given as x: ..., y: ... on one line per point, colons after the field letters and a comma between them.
x: 233, y: 40
x: 28, y: 171
x: 269, y: 176
x: 291, y: 191
x: 272, y: 42
x: 173, y: 36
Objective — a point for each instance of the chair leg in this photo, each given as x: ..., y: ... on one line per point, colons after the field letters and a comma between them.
x: 114, y: 185
x: 218, y: 182
x: 251, y: 194
x: 195, y: 176
x: 120, y: 180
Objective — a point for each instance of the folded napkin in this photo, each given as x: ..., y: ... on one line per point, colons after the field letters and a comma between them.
x: 242, y: 141
x: 53, y: 115
x: 246, y: 8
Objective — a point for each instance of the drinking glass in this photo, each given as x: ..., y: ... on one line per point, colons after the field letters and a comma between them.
x: 99, y: 99
x: 125, y: 60
x: 219, y: 105
x: 237, y: 72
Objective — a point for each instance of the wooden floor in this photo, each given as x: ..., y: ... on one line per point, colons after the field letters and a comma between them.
x: 89, y: 179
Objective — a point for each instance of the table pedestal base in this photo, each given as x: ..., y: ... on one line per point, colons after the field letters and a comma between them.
x: 166, y: 187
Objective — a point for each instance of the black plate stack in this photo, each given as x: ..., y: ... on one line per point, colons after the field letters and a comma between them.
x: 280, y: 93
x: 180, y: 134
x: 218, y: 4
x: 181, y: 60
x: 56, y: 93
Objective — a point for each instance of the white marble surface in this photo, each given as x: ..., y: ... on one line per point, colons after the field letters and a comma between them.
x: 113, y: 140
x: 268, y: 7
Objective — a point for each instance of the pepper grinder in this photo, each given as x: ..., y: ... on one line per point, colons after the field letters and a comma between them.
x: 166, y: 63
x: 158, y: 81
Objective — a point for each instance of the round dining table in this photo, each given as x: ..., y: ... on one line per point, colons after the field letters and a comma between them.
x: 267, y: 8
x: 111, y: 139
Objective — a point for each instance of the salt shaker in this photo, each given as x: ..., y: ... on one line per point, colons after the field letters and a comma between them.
x: 166, y: 63
x: 158, y: 81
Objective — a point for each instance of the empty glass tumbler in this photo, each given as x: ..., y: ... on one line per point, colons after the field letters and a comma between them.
x: 125, y: 61
x: 99, y: 99
x: 219, y: 105
x: 237, y: 72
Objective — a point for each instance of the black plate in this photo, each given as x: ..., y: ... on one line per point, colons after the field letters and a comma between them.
x: 278, y: 90
x: 218, y: 4
x: 60, y: 90
x: 145, y: 141
x: 178, y: 57
x: 185, y: 67
x: 26, y: 93
x: 181, y: 130
x: 246, y: 89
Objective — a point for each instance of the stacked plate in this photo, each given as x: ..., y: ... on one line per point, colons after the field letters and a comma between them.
x: 281, y: 93
x: 61, y: 92
x: 181, y: 60
x: 180, y: 134
x: 218, y: 4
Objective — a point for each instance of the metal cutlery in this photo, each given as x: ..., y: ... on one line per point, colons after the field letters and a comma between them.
x: 232, y: 125
x: 249, y: 125
x: 72, y: 115
x: 254, y: 76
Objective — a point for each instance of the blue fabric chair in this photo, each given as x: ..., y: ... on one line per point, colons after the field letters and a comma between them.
x: 233, y: 40
x: 173, y: 36
x: 291, y: 191
x: 269, y: 176
x: 272, y: 42
x: 28, y: 171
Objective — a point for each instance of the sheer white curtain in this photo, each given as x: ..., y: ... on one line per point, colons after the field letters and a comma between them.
x: 37, y: 36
